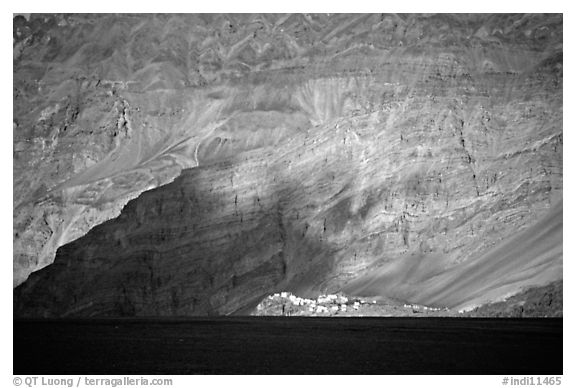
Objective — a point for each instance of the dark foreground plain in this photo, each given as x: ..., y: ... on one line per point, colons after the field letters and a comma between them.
x: 279, y: 345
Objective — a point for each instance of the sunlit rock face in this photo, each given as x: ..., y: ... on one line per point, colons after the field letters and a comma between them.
x: 405, y: 156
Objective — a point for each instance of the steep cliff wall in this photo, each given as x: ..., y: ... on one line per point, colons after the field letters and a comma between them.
x: 344, y: 151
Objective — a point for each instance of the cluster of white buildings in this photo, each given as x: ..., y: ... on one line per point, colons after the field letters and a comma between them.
x: 296, y: 300
x: 324, y: 304
x: 286, y: 303
x: 418, y: 307
x: 340, y: 299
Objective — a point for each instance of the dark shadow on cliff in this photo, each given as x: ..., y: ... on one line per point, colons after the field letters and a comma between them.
x: 191, y: 247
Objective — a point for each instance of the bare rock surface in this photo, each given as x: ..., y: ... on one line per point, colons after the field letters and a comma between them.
x: 405, y: 156
x: 541, y: 301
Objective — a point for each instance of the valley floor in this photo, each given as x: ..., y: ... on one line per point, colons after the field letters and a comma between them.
x: 280, y: 345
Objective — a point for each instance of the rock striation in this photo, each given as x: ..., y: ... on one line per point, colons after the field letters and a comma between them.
x: 402, y: 156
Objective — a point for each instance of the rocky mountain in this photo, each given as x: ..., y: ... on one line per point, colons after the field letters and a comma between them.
x: 545, y: 301
x: 415, y: 157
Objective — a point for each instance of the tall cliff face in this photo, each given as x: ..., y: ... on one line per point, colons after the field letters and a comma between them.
x: 394, y: 155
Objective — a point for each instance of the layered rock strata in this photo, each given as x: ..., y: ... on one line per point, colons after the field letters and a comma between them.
x: 388, y: 156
